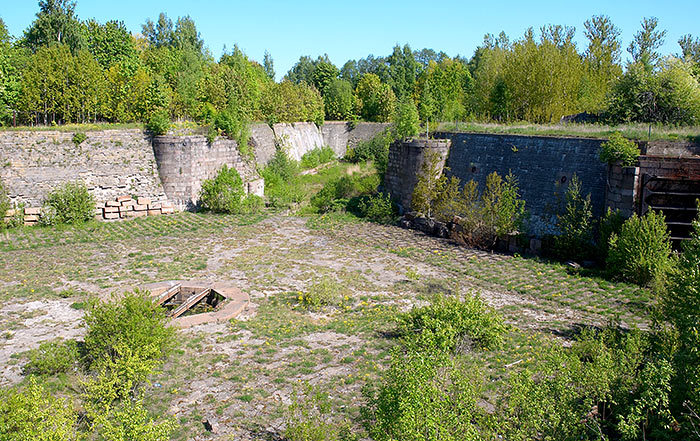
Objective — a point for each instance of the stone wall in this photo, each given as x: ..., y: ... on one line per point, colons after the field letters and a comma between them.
x: 298, y: 138
x: 621, y: 189
x: 262, y: 141
x: 404, y: 167
x: 112, y: 163
x: 185, y: 161
x: 341, y: 135
x: 543, y: 166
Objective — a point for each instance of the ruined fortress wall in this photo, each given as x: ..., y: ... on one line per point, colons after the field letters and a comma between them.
x: 185, y: 161
x: 111, y: 162
x: 341, y: 135
x: 543, y: 166
x: 129, y: 162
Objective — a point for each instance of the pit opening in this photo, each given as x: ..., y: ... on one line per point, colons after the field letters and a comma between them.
x: 190, y: 303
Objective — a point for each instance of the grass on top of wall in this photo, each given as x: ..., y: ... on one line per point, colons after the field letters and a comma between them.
x: 632, y: 131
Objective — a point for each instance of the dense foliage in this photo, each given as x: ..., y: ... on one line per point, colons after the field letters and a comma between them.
x: 64, y: 69
x: 68, y: 204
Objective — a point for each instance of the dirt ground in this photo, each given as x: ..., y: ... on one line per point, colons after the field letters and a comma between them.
x: 243, y: 376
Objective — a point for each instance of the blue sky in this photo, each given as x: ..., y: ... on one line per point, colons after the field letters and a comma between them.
x: 354, y: 29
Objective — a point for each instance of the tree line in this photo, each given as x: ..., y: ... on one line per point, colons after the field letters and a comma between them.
x: 67, y: 70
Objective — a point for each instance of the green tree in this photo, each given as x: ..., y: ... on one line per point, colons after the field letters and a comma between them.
x: 406, y: 122
x: 55, y: 23
x: 13, y: 59
x: 485, y: 67
x: 160, y: 33
x: 403, y: 71
x: 602, y: 62
x: 269, y: 66
x: 575, y: 224
x: 554, y: 73
x: 443, y: 89
x: 323, y: 75
x: 376, y: 100
x: 339, y: 100
x: 646, y: 43
x: 109, y: 43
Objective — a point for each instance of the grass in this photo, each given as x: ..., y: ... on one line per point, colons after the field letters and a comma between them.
x: 247, y: 371
x: 632, y: 131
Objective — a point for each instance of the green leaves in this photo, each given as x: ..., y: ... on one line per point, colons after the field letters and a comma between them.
x: 618, y: 149
x: 224, y: 193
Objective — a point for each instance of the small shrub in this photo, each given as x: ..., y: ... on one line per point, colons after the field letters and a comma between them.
x: 282, y: 184
x: 234, y: 126
x: 53, y: 358
x: 224, y: 193
x: 252, y: 204
x: 316, y: 157
x: 79, y: 138
x: 641, y: 253
x: 70, y: 203
x: 429, y: 185
x: 33, y: 414
x: 378, y: 208
x: 424, y: 396
x: 375, y: 150
x: 130, y: 420
x: 449, y: 322
x: 212, y: 134
x: 610, y: 223
x: 158, y: 122
x: 5, y: 205
x: 323, y: 292
x: 619, y: 149
x: 130, y: 327
x: 575, y: 239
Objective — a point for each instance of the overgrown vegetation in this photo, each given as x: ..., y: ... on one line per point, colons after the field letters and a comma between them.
x: 71, y: 203
x: 126, y: 340
x: 641, y: 253
x: 575, y: 224
x: 317, y: 156
x: 618, y: 149
x: 225, y: 194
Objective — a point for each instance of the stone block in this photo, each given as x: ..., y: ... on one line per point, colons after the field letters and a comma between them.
x: 9, y: 213
x: 111, y: 210
x: 141, y: 207
x: 32, y: 210
x: 123, y: 198
x: 154, y: 211
x: 128, y: 203
x: 112, y: 204
x: 136, y: 213
x: 31, y: 218
x: 126, y: 208
x: 167, y: 210
x: 111, y: 216
x: 143, y: 201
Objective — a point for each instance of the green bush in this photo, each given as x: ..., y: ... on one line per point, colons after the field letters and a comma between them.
x: 129, y: 420
x: 680, y: 307
x: 378, y: 208
x: 252, y: 204
x: 641, y: 253
x: 53, y: 357
x: 70, y: 203
x: 424, y: 396
x: 375, y: 150
x: 322, y: 292
x: 316, y: 157
x: 236, y: 127
x: 33, y: 414
x: 224, y: 193
x: 158, y: 122
x: 79, y: 138
x: 449, y: 322
x: 610, y: 223
x: 131, y: 327
x: 283, y: 187
x: 5, y: 205
x: 575, y: 239
x: 501, y: 204
x: 619, y: 149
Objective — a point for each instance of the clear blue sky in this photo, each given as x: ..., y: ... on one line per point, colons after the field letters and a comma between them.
x: 354, y: 29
